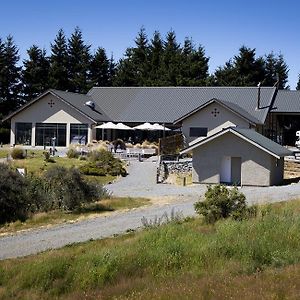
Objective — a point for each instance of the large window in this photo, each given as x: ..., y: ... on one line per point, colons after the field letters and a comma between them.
x: 198, y: 131
x: 44, y: 132
x: 23, y: 133
x: 79, y: 134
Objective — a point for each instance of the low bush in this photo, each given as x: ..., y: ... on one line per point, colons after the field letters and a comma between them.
x: 103, y: 163
x: 72, y: 153
x: 68, y: 190
x: 221, y: 202
x: 14, y: 202
x: 18, y: 153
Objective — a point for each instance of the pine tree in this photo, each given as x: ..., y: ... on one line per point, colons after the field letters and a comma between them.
x: 36, y: 73
x: 171, y: 60
x: 276, y: 69
x: 100, y: 69
x: 10, y: 73
x: 111, y: 71
x: 79, y: 63
x: 58, y: 73
x: 155, y: 60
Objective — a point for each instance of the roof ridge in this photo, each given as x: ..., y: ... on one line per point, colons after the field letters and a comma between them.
x: 181, y: 87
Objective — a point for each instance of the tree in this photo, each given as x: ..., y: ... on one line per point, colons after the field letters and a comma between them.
x: 194, y: 65
x: 155, y: 60
x: 276, y: 69
x: 171, y: 60
x: 100, y: 69
x: 36, y: 73
x: 244, y: 70
x: 78, y: 63
x: 58, y: 73
x: 10, y: 75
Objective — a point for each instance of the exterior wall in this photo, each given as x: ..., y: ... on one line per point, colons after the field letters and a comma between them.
x: 42, y: 112
x: 277, y: 170
x: 205, y: 118
x: 257, y: 167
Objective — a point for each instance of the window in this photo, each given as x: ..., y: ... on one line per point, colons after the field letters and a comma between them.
x: 23, y: 133
x: 79, y: 134
x: 198, y: 131
x: 44, y: 132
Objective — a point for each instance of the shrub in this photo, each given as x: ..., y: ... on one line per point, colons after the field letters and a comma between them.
x: 221, y: 202
x: 103, y: 163
x: 18, y: 153
x: 72, y: 153
x: 48, y: 157
x: 68, y: 189
x: 13, y: 198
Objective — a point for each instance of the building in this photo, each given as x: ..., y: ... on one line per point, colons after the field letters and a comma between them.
x: 237, y: 156
x: 71, y: 117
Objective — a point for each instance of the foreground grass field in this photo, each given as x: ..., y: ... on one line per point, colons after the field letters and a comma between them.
x: 58, y: 216
x: 251, y: 259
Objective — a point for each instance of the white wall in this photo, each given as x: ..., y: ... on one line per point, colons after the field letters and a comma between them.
x: 42, y: 112
x: 205, y: 118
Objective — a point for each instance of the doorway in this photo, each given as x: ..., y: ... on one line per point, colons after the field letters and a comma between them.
x: 231, y: 170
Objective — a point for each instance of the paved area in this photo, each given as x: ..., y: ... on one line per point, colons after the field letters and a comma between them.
x: 139, y: 183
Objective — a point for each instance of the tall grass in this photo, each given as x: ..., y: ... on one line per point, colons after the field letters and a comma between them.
x: 229, y: 248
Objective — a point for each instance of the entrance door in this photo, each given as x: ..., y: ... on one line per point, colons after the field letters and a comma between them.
x: 225, y: 174
x: 236, y: 165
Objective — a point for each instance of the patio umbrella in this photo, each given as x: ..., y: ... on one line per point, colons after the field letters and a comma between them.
x: 144, y: 126
x: 122, y: 126
x: 108, y: 125
x: 160, y: 127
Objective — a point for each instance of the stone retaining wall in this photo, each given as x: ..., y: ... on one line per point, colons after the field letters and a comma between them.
x: 173, y: 167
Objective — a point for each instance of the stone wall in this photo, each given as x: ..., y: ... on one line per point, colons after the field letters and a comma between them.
x: 173, y: 167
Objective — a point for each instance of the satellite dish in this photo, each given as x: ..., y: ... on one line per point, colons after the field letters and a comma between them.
x: 90, y: 104
x: 298, y: 133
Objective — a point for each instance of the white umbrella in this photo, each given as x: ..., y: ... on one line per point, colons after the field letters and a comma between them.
x: 144, y: 126
x: 122, y: 126
x: 108, y: 125
x: 160, y: 127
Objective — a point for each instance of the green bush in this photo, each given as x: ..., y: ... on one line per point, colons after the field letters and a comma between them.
x: 221, y: 202
x: 14, y: 202
x: 72, y: 153
x: 18, y: 153
x: 103, y: 163
x: 68, y: 190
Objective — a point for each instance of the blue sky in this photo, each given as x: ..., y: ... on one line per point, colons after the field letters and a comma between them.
x: 220, y: 26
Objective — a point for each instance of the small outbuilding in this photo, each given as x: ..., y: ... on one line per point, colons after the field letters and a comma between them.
x: 237, y: 156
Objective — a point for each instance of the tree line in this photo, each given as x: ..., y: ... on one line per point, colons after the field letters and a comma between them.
x: 156, y: 61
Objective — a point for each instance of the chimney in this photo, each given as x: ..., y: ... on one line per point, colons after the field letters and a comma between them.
x: 258, y: 97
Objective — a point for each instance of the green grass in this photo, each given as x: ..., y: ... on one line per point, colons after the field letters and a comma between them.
x: 58, y: 216
x: 258, y: 257
x: 4, y: 153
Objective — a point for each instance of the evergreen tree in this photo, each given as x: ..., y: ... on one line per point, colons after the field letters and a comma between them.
x: 244, y: 70
x: 155, y: 60
x: 58, y: 74
x: 100, y: 69
x: 194, y: 65
x: 10, y: 73
x: 36, y: 73
x: 79, y: 63
x: 111, y: 71
x: 275, y: 69
x: 171, y: 60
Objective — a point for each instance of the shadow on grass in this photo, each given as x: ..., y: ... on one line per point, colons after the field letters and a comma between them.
x: 93, y: 208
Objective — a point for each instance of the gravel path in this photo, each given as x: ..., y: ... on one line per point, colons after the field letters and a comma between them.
x: 139, y: 183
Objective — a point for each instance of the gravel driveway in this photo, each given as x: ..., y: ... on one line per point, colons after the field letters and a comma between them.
x: 139, y: 183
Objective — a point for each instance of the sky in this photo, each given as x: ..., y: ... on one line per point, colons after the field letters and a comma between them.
x: 222, y: 27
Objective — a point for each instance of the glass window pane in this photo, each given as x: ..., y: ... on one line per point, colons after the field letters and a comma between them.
x: 23, y: 133
x: 44, y: 132
x: 79, y: 134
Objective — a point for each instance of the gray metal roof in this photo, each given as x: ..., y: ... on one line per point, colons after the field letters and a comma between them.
x: 287, y: 101
x: 167, y: 104
x: 79, y: 101
x: 250, y: 135
x: 263, y: 141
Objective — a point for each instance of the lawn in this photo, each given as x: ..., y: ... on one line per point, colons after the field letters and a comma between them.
x: 58, y: 216
x: 252, y: 259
